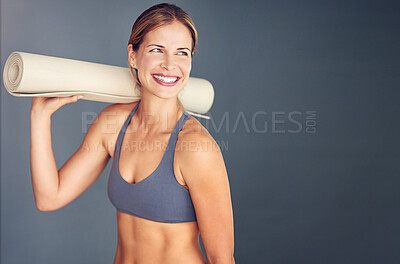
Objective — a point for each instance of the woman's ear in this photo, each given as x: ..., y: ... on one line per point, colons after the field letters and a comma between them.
x: 131, y: 56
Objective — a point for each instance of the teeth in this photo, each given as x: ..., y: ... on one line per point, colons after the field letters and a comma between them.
x: 165, y: 79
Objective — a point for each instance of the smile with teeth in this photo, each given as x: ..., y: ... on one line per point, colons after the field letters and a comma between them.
x: 165, y: 79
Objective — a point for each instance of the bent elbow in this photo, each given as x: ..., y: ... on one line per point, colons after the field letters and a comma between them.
x: 221, y: 260
x: 45, y: 207
x: 42, y: 208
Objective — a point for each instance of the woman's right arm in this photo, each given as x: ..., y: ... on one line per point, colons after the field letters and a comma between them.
x: 54, y: 188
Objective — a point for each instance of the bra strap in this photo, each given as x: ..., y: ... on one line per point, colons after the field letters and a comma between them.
x: 174, y: 137
x: 123, y: 130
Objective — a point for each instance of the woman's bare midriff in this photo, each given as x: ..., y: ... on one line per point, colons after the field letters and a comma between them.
x: 142, y: 241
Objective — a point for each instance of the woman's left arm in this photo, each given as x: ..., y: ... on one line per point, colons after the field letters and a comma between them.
x: 203, y: 169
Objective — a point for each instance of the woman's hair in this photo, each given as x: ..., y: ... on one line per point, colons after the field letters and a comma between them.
x: 154, y: 17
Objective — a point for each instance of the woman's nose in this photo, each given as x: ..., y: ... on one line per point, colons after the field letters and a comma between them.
x: 168, y: 62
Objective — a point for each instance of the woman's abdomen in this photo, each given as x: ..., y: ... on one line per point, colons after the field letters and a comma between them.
x: 142, y: 241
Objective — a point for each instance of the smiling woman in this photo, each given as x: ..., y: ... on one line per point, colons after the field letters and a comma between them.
x: 156, y: 16
x: 163, y: 59
x: 165, y: 195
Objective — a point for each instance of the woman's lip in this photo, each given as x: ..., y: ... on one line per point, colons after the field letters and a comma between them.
x: 166, y: 75
x: 166, y: 84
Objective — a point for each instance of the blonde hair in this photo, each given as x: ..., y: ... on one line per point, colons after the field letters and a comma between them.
x: 156, y: 16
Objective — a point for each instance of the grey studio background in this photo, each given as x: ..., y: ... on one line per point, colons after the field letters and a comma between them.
x: 306, y: 113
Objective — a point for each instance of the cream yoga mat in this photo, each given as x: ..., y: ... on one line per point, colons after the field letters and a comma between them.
x: 30, y: 75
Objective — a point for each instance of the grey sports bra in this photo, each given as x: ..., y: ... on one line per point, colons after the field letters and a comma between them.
x: 158, y: 197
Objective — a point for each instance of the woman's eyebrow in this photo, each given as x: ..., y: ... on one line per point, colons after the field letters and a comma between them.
x: 183, y: 49
x: 161, y: 46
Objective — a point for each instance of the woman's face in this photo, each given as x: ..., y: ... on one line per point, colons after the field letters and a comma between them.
x: 163, y: 60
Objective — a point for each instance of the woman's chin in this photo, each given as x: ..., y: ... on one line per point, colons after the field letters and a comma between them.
x: 165, y: 94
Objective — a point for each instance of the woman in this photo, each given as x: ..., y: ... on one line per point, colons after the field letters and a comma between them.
x: 168, y: 179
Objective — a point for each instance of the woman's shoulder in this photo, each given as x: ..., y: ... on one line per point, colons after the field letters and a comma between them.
x: 196, y: 148
x: 111, y: 118
x: 118, y: 109
x: 115, y: 114
x: 194, y: 136
x: 109, y: 122
x: 193, y: 129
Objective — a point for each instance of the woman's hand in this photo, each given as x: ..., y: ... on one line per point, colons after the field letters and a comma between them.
x: 49, y: 105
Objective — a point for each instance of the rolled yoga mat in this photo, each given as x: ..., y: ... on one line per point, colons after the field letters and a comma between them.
x: 31, y: 75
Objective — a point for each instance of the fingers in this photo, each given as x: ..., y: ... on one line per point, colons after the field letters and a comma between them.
x: 72, y: 99
x: 69, y: 99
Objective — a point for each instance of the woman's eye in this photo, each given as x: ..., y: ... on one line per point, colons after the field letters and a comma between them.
x: 156, y: 50
x: 183, y: 53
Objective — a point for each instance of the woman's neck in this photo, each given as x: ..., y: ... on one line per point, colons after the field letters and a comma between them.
x: 156, y: 114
